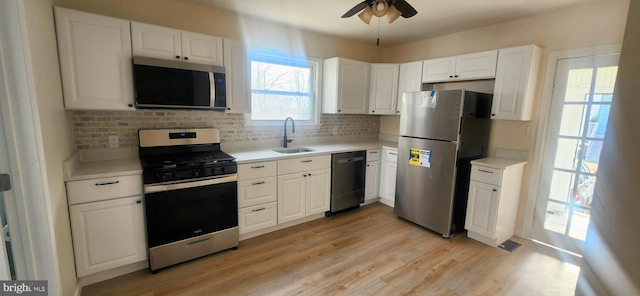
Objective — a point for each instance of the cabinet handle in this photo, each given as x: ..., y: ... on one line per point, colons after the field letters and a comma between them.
x: 373, y: 152
x: 309, y: 174
x: 258, y: 183
x: 485, y: 171
x: 177, y: 57
x: 373, y: 111
x: 305, y: 175
x: 138, y: 201
x: 495, y: 190
x: 107, y: 183
x: 186, y: 58
x: 393, y: 153
x: 455, y: 76
x: 450, y: 76
x: 257, y: 167
x: 368, y: 165
x: 493, y: 114
x: 260, y: 209
x: 307, y: 161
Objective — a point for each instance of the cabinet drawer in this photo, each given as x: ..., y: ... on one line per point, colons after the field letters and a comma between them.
x: 257, y: 191
x: 257, y: 170
x: 303, y: 164
x: 257, y: 217
x: 390, y: 155
x: 103, y: 188
x: 486, y: 175
x: 373, y: 155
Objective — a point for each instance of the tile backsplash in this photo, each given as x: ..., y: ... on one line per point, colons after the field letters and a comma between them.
x: 91, y: 129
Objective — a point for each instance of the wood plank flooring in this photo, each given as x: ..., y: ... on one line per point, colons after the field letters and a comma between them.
x: 368, y: 251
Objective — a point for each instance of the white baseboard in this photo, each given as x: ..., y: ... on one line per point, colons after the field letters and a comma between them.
x: 388, y: 202
x: 280, y: 226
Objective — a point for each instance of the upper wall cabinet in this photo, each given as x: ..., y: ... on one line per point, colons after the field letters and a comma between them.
x: 515, y: 84
x: 95, y: 61
x: 167, y: 43
x: 384, y: 89
x: 345, y: 86
x: 238, y: 77
x: 410, y: 80
x: 479, y: 65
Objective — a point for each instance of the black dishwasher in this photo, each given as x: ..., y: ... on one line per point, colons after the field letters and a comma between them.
x: 347, y: 181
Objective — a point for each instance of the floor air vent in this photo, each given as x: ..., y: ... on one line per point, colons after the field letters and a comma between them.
x: 509, y: 245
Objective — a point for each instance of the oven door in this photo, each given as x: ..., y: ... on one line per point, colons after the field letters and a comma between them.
x: 178, y: 211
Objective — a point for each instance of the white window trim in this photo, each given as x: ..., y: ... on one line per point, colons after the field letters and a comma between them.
x: 251, y: 124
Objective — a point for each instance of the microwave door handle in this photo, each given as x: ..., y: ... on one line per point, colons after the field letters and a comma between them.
x: 212, y: 87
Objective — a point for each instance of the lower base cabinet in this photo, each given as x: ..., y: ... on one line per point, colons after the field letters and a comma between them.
x: 108, y: 234
x: 257, y: 217
x: 303, y: 194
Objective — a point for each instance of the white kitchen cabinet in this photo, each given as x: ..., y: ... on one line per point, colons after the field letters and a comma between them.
x: 494, y: 194
x: 409, y: 80
x: 345, y: 86
x: 95, y: 61
x: 257, y: 196
x: 389, y: 167
x: 237, y: 66
x: 372, y: 175
x: 479, y: 65
x: 304, y: 186
x: 384, y: 89
x: 108, y: 232
x: 168, y: 43
x: 516, y: 77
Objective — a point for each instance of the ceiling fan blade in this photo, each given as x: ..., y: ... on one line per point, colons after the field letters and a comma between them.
x: 406, y: 8
x: 357, y: 8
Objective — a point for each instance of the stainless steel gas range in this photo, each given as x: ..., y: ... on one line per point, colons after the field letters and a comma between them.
x: 190, y: 195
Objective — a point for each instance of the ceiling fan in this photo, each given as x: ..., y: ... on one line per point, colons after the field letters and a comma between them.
x: 392, y: 8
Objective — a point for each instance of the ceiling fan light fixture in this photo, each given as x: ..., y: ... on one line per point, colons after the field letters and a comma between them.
x: 380, y: 8
x: 366, y: 15
x: 393, y: 14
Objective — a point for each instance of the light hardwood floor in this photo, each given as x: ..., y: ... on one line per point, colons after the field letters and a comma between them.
x: 367, y: 251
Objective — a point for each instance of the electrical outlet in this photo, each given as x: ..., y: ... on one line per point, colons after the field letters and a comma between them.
x: 335, y: 130
x: 113, y: 141
x: 530, y: 132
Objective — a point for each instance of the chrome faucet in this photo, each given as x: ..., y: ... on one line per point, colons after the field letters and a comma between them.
x: 293, y: 130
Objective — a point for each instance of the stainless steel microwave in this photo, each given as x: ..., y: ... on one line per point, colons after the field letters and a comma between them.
x: 168, y: 84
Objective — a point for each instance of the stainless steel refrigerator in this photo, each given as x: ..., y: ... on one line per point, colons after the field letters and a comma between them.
x: 440, y: 133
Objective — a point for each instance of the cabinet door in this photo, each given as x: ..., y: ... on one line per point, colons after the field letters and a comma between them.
x: 410, y: 79
x: 155, y: 41
x: 108, y: 234
x: 384, y: 89
x: 482, y: 209
x: 516, y: 77
x: 257, y: 217
x: 95, y: 61
x: 479, y: 65
x: 291, y: 197
x: 353, y: 87
x: 201, y: 48
x: 372, y: 179
x: 438, y: 70
x: 388, y: 180
x: 318, y: 191
x: 236, y: 63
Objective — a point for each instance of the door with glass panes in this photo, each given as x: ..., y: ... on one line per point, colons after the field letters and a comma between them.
x: 582, y: 94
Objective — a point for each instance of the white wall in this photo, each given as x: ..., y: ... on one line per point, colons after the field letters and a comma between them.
x: 611, y: 262
x: 55, y: 127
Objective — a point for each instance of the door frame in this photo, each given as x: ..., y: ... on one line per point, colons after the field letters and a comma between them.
x: 22, y: 135
x: 543, y: 119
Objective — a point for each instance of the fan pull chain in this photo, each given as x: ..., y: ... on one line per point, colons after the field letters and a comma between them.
x: 378, y: 40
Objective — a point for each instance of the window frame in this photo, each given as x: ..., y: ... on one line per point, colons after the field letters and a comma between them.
x: 315, y: 66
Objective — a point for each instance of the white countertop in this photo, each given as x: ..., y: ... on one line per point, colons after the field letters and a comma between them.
x: 497, y: 162
x: 77, y: 167
x: 318, y: 149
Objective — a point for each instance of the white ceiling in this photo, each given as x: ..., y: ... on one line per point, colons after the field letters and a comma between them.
x: 434, y: 18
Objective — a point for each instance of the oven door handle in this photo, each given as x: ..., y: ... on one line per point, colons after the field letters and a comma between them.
x: 152, y: 188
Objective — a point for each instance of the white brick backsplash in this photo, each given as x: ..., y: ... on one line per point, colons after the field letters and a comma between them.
x: 92, y: 128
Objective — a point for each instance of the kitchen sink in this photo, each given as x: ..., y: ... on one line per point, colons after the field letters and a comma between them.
x: 293, y: 150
